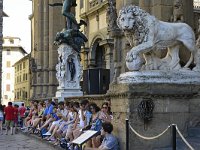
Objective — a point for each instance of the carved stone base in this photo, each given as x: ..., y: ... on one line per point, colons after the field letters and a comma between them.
x: 61, y: 94
x: 174, y: 103
x: 155, y: 76
x: 69, y: 72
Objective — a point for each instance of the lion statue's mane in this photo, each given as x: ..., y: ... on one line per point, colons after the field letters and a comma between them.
x: 145, y: 34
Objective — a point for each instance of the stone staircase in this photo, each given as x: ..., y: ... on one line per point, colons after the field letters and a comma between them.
x: 193, y: 139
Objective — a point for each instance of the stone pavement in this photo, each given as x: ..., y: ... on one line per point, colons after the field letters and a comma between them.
x: 23, y: 142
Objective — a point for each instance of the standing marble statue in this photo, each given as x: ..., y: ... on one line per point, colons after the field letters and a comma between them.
x: 69, y: 41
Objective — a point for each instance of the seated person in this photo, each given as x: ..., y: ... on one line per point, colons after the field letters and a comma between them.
x: 45, y: 115
x: 61, y: 112
x: 109, y: 141
x: 105, y: 115
x: 63, y: 127
x: 29, y: 117
x: 53, y: 117
x: 82, y: 121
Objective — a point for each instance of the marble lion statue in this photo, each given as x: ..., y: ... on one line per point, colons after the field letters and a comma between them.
x: 146, y: 34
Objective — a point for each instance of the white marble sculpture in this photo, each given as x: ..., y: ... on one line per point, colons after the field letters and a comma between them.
x: 146, y: 34
x: 69, y: 72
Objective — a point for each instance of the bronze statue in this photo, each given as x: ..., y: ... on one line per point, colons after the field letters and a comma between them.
x: 72, y: 37
x: 70, y: 34
x: 66, y: 11
x: 72, y: 68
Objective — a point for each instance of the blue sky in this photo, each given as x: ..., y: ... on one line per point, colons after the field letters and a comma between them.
x: 18, y: 24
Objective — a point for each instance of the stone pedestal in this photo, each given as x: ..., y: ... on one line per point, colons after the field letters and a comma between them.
x: 69, y: 73
x: 175, y: 103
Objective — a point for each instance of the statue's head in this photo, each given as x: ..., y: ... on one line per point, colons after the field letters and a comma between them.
x: 129, y: 16
x: 178, y: 3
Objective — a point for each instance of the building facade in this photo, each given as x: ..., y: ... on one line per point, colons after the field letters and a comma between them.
x: 2, y: 14
x: 106, y: 47
x: 12, y: 52
x: 22, y: 80
x: 46, y: 21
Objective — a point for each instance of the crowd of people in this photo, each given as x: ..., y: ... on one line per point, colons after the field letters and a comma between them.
x: 12, y: 116
x: 60, y: 123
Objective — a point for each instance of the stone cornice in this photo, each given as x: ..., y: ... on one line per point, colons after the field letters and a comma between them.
x: 94, y: 9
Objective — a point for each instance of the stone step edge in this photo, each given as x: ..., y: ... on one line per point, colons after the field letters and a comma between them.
x: 33, y: 136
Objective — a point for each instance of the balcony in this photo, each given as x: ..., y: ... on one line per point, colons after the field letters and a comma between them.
x: 94, y: 3
x: 93, y: 6
x: 196, y: 4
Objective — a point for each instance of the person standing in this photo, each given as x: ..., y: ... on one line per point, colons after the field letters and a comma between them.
x: 9, y: 119
x: 16, y: 107
x: 22, y: 111
x: 1, y: 119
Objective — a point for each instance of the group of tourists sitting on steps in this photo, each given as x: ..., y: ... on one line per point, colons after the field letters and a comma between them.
x: 61, y: 123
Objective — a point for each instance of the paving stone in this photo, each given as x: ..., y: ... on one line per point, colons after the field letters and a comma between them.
x: 22, y: 142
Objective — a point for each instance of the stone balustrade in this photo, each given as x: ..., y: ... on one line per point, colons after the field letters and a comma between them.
x: 94, y: 3
x: 196, y: 4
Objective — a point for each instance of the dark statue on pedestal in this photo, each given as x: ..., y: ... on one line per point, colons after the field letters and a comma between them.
x: 72, y: 68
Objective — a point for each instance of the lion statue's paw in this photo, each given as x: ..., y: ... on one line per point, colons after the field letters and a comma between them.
x: 130, y: 56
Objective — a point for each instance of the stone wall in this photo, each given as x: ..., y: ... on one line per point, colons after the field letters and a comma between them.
x: 1, y: 38
x: 174, y: 104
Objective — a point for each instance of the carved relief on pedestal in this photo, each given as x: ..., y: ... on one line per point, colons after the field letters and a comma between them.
x: 69, y: 69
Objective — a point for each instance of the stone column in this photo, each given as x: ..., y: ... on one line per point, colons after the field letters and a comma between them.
x: 40, y: 49
x: 109, y: 46
x: 188, y: 12
x: 145, y: 4
x: 56, y: 23
x: 117, y: 54
x: 85, y: 58
x: 46, y: 49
